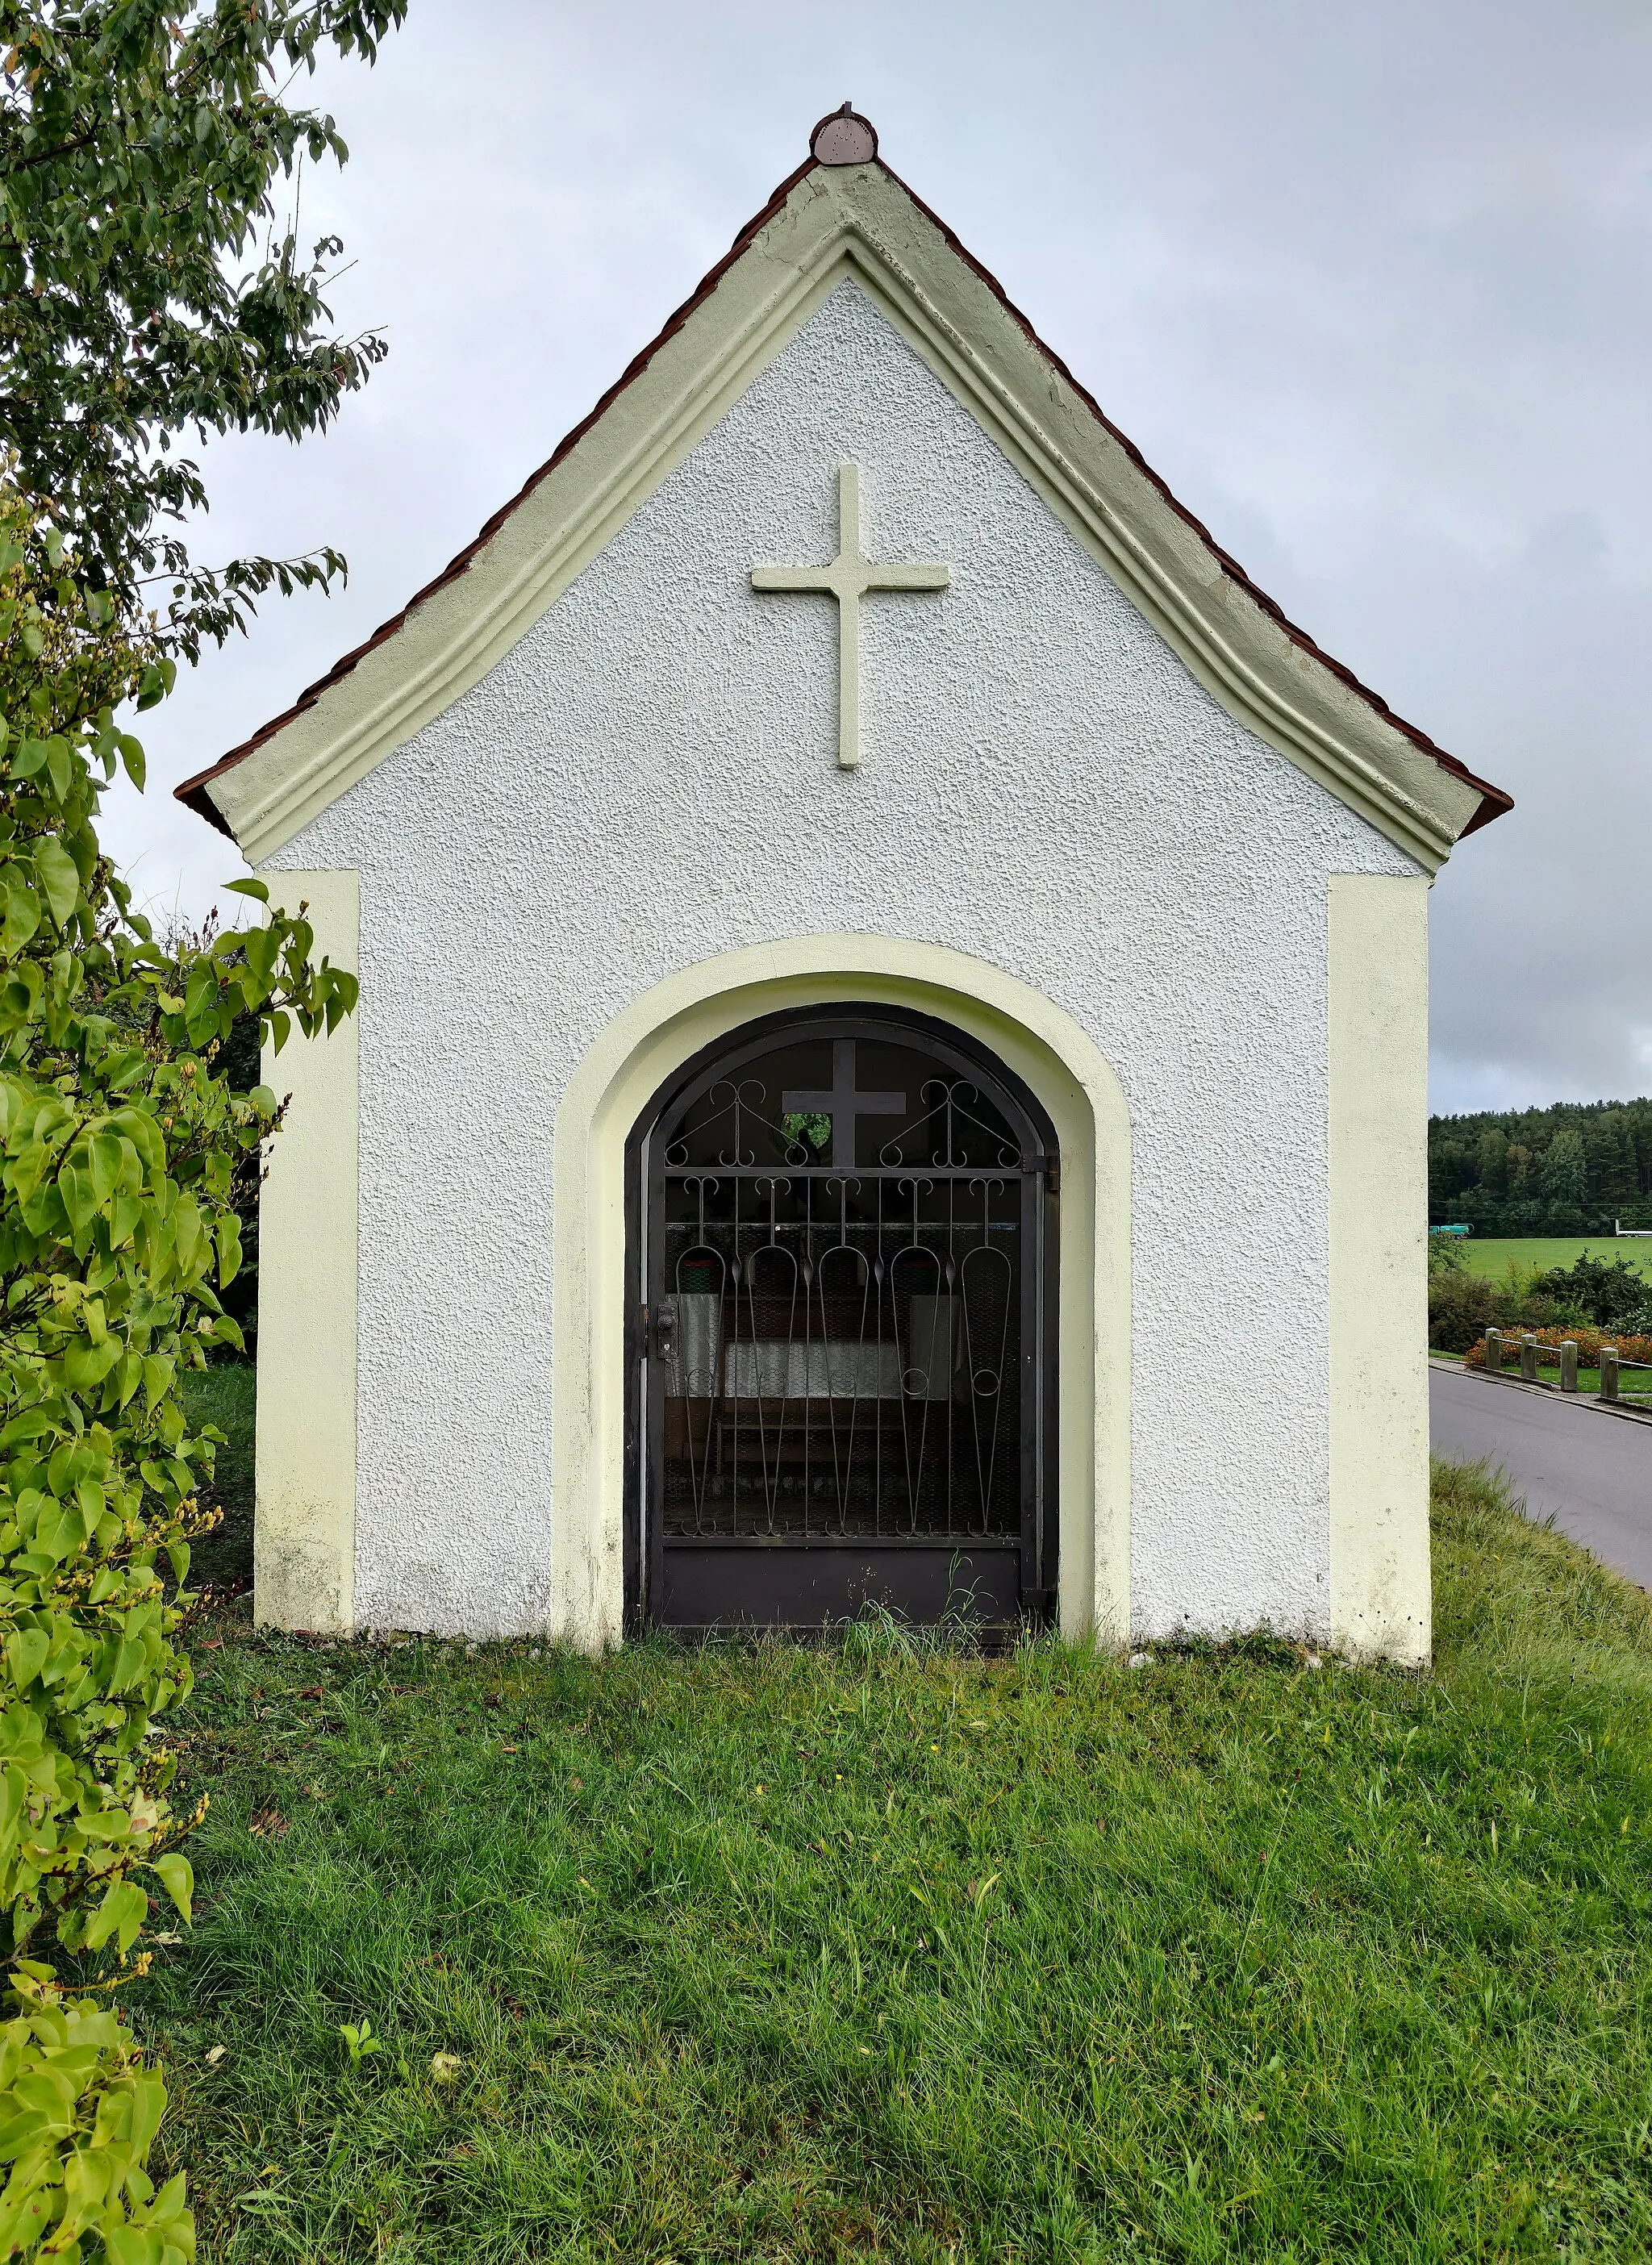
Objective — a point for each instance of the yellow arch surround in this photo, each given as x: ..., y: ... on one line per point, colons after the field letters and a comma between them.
x: 666, y: 1027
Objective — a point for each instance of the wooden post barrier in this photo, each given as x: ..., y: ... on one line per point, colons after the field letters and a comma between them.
x: 1568, y: 1363
x: 1609, y: 1372
x: 1528, y: 1359
x: 1494, y: 1353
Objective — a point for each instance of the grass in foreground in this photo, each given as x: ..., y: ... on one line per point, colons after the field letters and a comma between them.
x: 804, y: 1955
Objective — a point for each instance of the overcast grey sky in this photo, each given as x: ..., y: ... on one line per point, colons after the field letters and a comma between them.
x: 1368, y: 285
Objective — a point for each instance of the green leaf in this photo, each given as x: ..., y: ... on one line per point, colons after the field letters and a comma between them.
x: 105, y: 1160
x: 106, y: 1825
x: 25, y: 1651
x: 201, y: 994
x: 188, y: 1233
x: 120, y: 1151
x: 33, y: 1423
x: 158, y: 1380
x: 43, y: 1213
x: 80, y: 1200
x: 26, y: 1172
x: 59, y: 877
x: 178, y: 1880
x: 59, y: 765
x: 250, y: 888
x: 85, y: 1366
x: 262, y: 949
x: 22, y: 914
x: 129, y: 1661
x: 121, y: 1914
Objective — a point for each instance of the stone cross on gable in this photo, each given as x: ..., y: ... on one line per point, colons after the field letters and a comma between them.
x: 847, y: 578
x: 842, y: 1103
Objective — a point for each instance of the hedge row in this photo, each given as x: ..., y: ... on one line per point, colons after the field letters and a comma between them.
x: 1589, y: 1342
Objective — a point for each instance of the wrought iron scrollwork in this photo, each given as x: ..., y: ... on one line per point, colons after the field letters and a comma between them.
x: 947, y: 1126
x: 848, y: 1359
x: 737, y: 1108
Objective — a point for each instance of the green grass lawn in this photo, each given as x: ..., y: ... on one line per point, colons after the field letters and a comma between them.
x: 1634, y: 1385
x: 776, y: 1954
x: 1492, y: 1254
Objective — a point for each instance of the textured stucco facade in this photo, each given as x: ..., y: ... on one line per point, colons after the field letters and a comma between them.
x: 648, y: 779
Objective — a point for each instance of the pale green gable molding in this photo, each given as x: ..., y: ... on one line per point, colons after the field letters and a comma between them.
x: 845, y: 221
x: 1378, y: 1154
x: 304, y: 1547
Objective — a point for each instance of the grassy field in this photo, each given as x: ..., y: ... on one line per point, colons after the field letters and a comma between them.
x: 1493, y: 1255
x: 870, y: 1952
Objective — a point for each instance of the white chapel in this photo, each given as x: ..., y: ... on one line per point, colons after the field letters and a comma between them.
x: 819, y: 864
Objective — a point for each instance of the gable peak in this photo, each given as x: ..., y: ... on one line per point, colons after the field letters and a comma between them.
x: 845, y: 213
x: 843, y: 137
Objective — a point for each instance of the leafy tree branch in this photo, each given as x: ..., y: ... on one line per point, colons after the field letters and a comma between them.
x: 140, y: 146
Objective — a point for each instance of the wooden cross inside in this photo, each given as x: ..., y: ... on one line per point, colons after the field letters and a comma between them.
x: 843, y: 1104
x: 847, y: 578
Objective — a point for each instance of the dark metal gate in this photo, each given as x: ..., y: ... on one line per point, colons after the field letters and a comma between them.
x: 842, y: 1385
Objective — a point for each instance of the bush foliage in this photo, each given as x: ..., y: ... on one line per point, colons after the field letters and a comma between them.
x: 122, y: 1146
x: 1589, y: 1342
x: 1463, y: 1306
x: 1595, y: 1293
x: 1608, y: 1293
x: 141, y: 142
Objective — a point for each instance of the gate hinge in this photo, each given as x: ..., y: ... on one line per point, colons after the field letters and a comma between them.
x: 1052, y: 1175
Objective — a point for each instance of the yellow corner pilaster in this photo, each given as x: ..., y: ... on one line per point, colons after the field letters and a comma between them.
x: 1378, y: 1020
x: 304, y: 1545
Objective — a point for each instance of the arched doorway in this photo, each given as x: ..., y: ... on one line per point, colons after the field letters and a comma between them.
x: 842, y: 1259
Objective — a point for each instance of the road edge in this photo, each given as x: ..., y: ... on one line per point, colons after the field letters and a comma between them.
x: 1544, y: 1391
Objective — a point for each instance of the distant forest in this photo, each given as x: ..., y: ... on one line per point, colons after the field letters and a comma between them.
x: 1570, y: 1170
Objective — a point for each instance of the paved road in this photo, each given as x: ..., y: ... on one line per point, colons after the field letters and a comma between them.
x: 1593, y: 1472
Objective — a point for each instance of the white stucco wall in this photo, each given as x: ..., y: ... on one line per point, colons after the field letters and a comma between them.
x: 649, y: 779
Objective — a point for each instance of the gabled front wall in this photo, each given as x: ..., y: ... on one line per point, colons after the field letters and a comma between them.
x: 647, y: 781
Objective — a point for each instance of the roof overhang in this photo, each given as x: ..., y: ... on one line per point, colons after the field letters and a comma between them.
x: 826, y: 223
